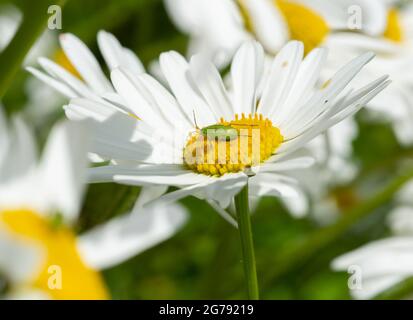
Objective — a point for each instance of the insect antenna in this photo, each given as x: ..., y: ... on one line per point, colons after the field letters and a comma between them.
x: 196, y: 125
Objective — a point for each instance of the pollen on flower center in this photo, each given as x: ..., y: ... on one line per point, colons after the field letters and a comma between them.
x: 231, y: 146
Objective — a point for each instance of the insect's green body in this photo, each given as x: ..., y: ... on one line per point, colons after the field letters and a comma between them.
x: 220, y: 131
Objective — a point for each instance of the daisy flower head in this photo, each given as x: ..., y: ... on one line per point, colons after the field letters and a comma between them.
x: 219, y: 27
x: 41, y: 256
x: 393, y: 48
x: 159, y: 137
x: 385, y: 262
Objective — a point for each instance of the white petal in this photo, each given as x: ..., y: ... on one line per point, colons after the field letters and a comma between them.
x: 20, y: 151
x: 223, y: 213
x: 117, y: 135
x: 394, y: 245
x: 160, y: 174
x: 340, y: 13
x: 176, y: 71
x: 55, y: 84
x: 373, y: 286
x: 128, y: 235
x: 167, y: 104
x: 339, y: 106
x: 216, y: 27
x: 296, y: 143
x: 117, y: 56
x: 130, y: 89
x: 401, y: 220
x: 304, y: 85
x: 287, y: 165
x: 246, y: 72
x: 64, y: 165
x: 20, y: 261
x: 209, y: 82
x: 268, y: 23
x: 85, y: 63
x: 67, y: 78
x: 283, y: 72
x: 324, y: 97
x: 270, y: 184
x: 221, y: 189
x: 4, y: 137
x: 345, y: 40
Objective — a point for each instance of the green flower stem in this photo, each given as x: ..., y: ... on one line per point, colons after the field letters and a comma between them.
x: 244, y: 226
x: 294, y: 258
x: 35, y: 17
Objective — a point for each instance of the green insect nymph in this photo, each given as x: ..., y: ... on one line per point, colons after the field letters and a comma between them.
x: 220, y: 131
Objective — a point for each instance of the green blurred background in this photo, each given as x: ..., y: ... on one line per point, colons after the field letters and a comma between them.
x: 203, y: 259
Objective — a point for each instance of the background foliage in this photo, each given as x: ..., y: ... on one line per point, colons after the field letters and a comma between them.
x: 203, y: 260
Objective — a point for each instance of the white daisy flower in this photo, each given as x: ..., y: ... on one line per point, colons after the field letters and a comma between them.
x: 61, y: 74
x: 39, y: 203
x: 156, y: 149
x: 218, y: 27
x: 10, y: 18
x: 77, y: 73
x: 394, y: 49
x: 41, y: 100
x: 384, y: 263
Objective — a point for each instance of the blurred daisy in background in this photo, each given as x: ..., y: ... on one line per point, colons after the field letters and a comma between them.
x: 218, y: 27
x: 386, y: 262
x: 393, y: 48
x: 10, y: 18
x: 42, y: 101
x: 39, y: 206
x: 150, y: 133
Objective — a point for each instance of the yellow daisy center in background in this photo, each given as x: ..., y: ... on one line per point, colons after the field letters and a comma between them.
x: 231, y: 146
x: 77, y: 280
x: 304, y: 24
x: 393, y: 30
x: 61, y: 59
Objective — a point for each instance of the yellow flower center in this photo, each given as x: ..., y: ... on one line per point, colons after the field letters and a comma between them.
x: 393, y: 30
x: 231, y: 146
x: 249, y: 26
x: 61, y: 59
x: 63, y: 274
x: 304, y: 24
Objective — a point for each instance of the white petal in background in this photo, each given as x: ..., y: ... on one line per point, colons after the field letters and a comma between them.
x: 382, y: 263
x: 17, y: 149
x: 20, y: 261
x: 63, y: 168
x: 128, y: 235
